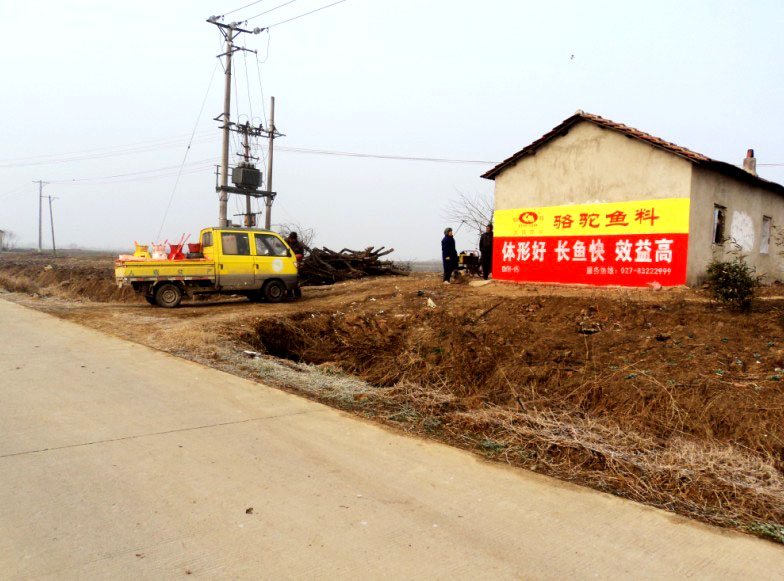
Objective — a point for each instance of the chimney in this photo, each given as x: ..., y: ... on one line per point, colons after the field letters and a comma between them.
x: 750, y: 162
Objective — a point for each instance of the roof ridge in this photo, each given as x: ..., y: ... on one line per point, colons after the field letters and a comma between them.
x: 644, y: 135
x: 673, y: 148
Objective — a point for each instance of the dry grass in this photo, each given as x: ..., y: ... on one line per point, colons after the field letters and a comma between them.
x: 63, y: 278
x: 677, y: 414
x: 17, y: 283
x: 181, y: 337
x: 720, y: 483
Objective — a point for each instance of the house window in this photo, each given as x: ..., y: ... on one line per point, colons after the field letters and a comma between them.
x: 765, y: 235
x: 719, y: 220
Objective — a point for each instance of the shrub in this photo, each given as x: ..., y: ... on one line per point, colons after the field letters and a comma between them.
x: 733, y: 282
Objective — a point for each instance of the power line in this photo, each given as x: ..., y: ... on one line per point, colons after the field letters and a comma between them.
x: 188, y: 149
x: 306, y: 14
x: 208, y: 162
x: 261, y: 88
x: 204, y: 137
x: 17, y: 190
x: 383, y: 156
x: 195, y: 168
x: 101, y: 148
x: 241, y: 8
x: 270, y: 10
x: 129, y: 174
x: 247, y: 84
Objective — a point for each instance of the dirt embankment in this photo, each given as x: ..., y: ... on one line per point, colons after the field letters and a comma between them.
x: 73, y: 276
x: 663, y: 397
x: 674, y: 403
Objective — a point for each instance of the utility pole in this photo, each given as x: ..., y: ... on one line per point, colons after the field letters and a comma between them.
x: 250, y: 219
x: 268, y: 199
x: 41, y: 185
x: 224, y: 194
x: 230, y: 32
x: 51, y: 221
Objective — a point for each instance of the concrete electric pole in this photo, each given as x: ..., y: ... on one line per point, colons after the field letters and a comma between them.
x: 51, y: 221
x: 250, y: 217
x: 41, y: 185
x: 224, y: 194
x: 268, y: 199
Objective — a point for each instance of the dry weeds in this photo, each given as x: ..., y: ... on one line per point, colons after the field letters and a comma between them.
x: 670, y: 405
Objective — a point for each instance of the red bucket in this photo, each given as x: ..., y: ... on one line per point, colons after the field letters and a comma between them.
x: 194, y: 247
x: 175, y: 252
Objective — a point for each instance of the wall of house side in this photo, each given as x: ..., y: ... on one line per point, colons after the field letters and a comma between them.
x: 746, y: 205
x: 591, y: 164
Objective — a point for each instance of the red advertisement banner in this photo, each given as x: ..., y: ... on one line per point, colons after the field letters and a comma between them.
x: 624, y: 260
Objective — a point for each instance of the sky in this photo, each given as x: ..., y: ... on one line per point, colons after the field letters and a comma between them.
x: 102, y: 99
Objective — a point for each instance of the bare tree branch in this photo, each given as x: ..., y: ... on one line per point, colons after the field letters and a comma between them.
x: 305, y: 235
x: 474, y: 210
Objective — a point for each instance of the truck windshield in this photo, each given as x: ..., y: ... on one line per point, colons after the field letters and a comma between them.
x: 267, y: 245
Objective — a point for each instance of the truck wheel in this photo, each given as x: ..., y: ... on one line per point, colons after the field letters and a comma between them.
x: 168, y: 295
x: 150, y: 300
x: 274, y: 291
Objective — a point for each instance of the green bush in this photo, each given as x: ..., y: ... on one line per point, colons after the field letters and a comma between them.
x: 733, y: 282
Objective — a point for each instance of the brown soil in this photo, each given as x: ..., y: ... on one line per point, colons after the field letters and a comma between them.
x: 660, y: 396
x: 75, y: 275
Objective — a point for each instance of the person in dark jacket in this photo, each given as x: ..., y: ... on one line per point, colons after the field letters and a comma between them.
x: 448, y: 254
x: 486, y: 250
x: 299, y: 253
x: 296, y: 246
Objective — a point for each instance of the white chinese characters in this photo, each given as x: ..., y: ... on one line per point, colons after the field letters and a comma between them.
x: 641, y: 251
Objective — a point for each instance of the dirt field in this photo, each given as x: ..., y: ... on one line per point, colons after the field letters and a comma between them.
x: 660, y: 396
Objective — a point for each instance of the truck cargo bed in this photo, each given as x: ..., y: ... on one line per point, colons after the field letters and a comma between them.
x: 153, y: 270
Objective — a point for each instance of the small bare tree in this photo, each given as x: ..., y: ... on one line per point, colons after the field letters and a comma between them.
x: 474, y: 210
x: 9, y: 240
x: 305, y: 235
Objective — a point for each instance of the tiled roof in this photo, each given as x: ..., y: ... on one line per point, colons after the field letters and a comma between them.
x: 693, y: 156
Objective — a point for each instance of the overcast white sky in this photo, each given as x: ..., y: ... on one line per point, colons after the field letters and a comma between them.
x: 96, y: 88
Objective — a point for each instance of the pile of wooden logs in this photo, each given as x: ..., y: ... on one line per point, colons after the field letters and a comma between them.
x: 324, y: 266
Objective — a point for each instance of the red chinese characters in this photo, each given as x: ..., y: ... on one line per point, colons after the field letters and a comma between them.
x: 616, y: 218
x: 563, y: 222
x: 646, y: 215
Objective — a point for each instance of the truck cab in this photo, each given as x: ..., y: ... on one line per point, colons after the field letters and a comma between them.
x: 247, y: 259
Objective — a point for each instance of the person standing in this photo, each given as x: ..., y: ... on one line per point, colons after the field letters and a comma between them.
x: 448, y: 254
x: 296, y: 246
x: 299, y: 253
x: 486, y: 250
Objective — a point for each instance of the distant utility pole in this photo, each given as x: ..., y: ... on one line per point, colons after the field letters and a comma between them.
x: 230, y: 32
x: 51, y: 221
x: 41, y: 185
x: 272, y: 136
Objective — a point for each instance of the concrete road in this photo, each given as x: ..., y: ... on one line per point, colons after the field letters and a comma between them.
x: 117, y: 461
